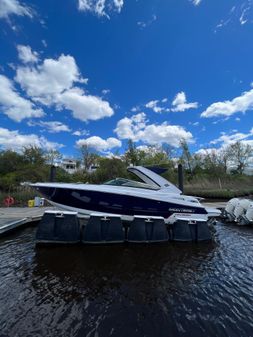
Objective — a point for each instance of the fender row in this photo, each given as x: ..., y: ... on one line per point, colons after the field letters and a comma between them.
x: 67, y: 228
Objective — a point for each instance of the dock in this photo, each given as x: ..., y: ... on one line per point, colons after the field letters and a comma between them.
x: 14, y: 217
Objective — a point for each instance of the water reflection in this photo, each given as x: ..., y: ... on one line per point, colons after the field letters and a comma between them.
x: 130, y: 290
x: 175, y: 289
x: 99, y: 270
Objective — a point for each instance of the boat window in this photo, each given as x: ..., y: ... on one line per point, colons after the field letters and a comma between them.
x: 103, y: 203
x: 79, y: 197
x: 117, y: 206
x: 129, y: 183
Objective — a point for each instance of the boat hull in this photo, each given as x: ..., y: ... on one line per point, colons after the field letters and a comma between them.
x: 87, y: 201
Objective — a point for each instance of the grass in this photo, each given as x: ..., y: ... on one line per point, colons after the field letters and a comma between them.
x: 220, y: 188
x: 218, y: 193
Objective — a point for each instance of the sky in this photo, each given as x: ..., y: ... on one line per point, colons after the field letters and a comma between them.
x: 100, y: 72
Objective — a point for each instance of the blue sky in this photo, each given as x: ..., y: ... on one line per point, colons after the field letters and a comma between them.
x: 99, y: 72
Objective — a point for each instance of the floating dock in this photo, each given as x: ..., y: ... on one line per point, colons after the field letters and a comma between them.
x: 12, y: 218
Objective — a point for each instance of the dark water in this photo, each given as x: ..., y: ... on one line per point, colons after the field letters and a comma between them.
x: 174, y: 290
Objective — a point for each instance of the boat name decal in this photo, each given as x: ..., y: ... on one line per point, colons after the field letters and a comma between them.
x: 181, y: 210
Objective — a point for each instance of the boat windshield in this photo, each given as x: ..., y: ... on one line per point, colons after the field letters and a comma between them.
x: 129, y: 183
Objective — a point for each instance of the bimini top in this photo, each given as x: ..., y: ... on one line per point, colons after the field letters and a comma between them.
x: 153, y: 179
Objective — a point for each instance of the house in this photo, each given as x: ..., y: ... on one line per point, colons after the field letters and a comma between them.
x: 69, y: 165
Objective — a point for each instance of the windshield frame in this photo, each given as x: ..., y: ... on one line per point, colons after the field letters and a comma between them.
x: 124, y: 182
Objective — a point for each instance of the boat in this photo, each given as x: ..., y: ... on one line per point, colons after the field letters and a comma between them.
x: 152, y: 196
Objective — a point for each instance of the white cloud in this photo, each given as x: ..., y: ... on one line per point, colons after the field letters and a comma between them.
x: 243, y: 18
x: 11, y: 65
x: 14, y: 7
x: 84, y: 5
x: 135, y: 108
x: 26, y: 54
x: 225, y: 22
x: 242, y: 104
x: 106, y: 91
x: 100, y: 144
x: 100, y: 7
x: 81, y: 133
x: 129, y: 128
x: 241, y: 13
x: 180, y: 103
x: 15, y: 106
x: 118, y: 4
x: 52, y: 83
x: 137, y: 129
x: 152, y: 150
x: 16, y: 141
x: 144, y: 24
x: 154, y: 106
x: 196, y: 2
x: 52, y: 127
x: 49, y: 78
x: 85, y: 107
x: 44, y: 42
x: 207, y: 151
x: 227, y: 139
x: 164, y: 133
x: 111, y: 155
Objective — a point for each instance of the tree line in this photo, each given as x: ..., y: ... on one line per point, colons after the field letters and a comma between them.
x: 33, y: 163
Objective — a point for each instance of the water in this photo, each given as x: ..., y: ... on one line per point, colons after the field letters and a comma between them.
x: 173, y: 290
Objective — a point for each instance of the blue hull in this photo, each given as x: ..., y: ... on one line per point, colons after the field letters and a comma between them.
x: 105, y: 202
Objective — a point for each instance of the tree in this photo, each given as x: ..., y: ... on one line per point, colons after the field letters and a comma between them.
x: 168, y: 149
x: 186, y: 157
x: 131, y: 154
x: 34, y: 155
x: 239, y: 155
x: 8, y: 181
x: 224, y: 159
x: 16, y: 167
x: 52, y: 156
x: 88, y: 157
x: 153, y: 156
x: 10, y: 161
x: 108, y: 169
x: 213, y: 162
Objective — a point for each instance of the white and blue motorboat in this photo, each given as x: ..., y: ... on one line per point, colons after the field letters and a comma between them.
x: 154, y: 196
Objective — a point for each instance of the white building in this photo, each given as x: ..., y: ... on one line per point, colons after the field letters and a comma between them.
x: 92, y: 168
x: 69, y: 165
